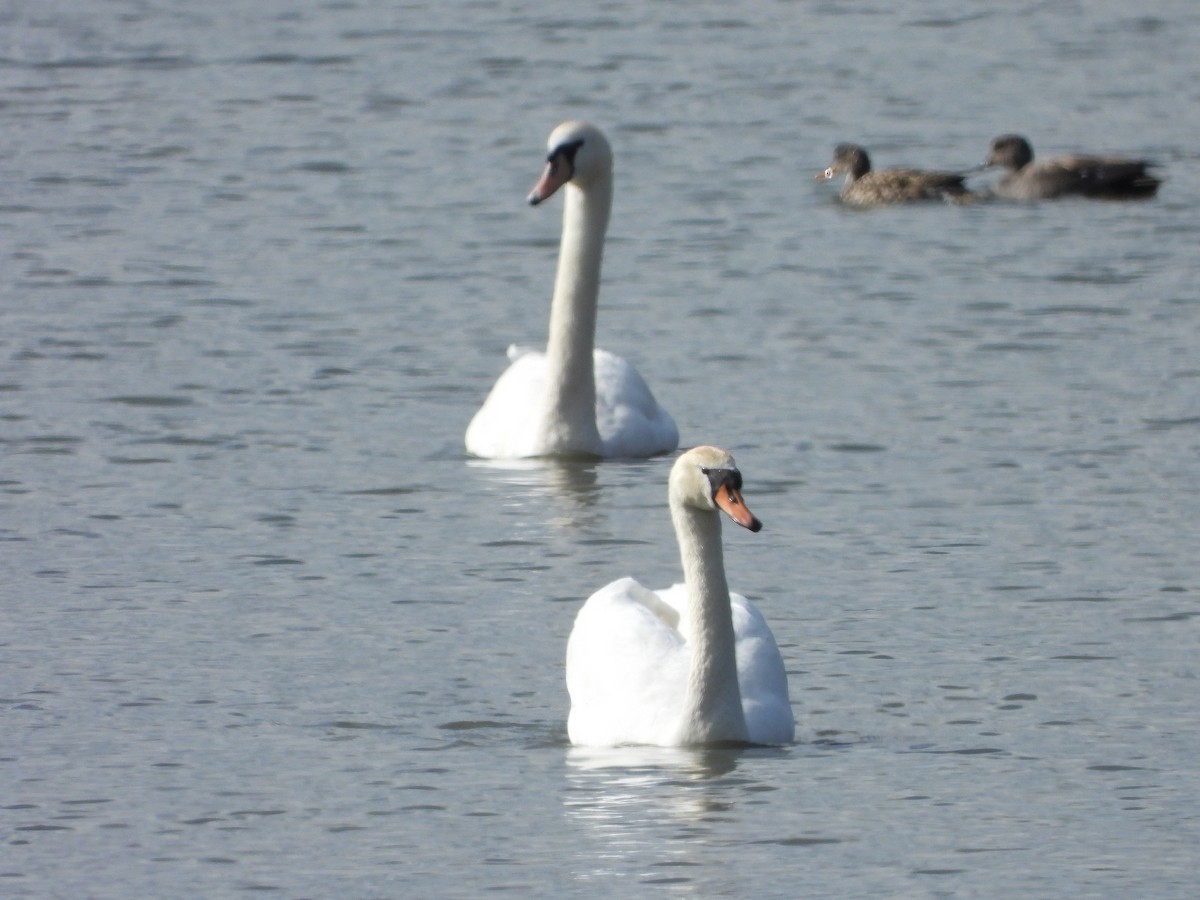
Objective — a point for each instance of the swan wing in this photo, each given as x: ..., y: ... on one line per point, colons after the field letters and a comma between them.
x: 630, y: 421
x: 762, y: 678
x: 509, y: 424
x: 626, y: 668
x: 516, y: 351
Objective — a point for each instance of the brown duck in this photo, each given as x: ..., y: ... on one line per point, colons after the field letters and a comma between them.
x: 1104, y: 177
x: 866, y: 188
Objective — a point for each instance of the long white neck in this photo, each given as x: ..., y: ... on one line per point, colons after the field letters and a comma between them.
x: 572, y: 386
x: 713, y: 705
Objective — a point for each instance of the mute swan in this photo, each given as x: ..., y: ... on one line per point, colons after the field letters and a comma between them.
x: 866, y: 188
x: 573, y: 399
x: 692, y: 664
x: 1103, y: 177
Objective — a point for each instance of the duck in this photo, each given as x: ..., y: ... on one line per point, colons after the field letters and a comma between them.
x: 1079, y: 175
x: 690, y: 665
x: 573, y: 399
x: 864, y: 187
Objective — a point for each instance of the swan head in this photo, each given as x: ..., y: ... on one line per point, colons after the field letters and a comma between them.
x: 707, y: 478
x: 578, y: 152
x: 848, y: 159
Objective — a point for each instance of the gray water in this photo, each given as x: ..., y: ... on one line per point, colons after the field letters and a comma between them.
x: 265, y: 628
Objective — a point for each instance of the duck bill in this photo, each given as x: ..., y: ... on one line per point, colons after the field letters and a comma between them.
x: 556, y: 174
x: 729, y: 499
x: 826, y: 174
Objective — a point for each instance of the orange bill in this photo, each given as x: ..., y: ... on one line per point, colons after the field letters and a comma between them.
x: 729, y: 499
x: 558, y: 172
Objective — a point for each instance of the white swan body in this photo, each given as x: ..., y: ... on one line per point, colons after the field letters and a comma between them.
x: 692, y: 664
x: 573, y: 399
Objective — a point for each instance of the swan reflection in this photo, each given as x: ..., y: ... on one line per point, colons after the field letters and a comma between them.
x: 635, y: 798
x: 573, y: 484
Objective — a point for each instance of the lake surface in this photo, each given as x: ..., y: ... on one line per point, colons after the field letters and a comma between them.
x: 265, y: 628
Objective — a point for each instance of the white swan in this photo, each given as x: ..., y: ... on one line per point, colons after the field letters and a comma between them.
x: 573, y: 399
x: 692, y: 664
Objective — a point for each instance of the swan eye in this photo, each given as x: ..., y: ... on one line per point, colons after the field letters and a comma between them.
x: 730, y: 479
x: 563, y: 153
x: 556, y: 161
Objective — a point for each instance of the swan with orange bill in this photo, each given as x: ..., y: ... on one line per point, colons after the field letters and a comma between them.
x: 693, y: 664
x: 573, y: 399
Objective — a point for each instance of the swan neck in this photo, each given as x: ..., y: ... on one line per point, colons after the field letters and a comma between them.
x: 572, y: 335
x: 713, y: 708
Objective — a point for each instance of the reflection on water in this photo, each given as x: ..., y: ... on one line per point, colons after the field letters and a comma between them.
x: 628, y: 797
x: 573, y: 480
x: 572, y: 486
x: 688, y: 763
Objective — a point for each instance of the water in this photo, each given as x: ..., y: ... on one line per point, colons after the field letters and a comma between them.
x: 266, y: 629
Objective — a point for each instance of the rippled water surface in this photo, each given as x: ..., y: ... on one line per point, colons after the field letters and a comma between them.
x: 266, y: 628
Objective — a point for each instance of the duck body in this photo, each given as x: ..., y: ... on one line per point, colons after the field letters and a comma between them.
x: 573, y: 399
x: 865, y: 187
x: 1078, y: 175
x: 693, y: 664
